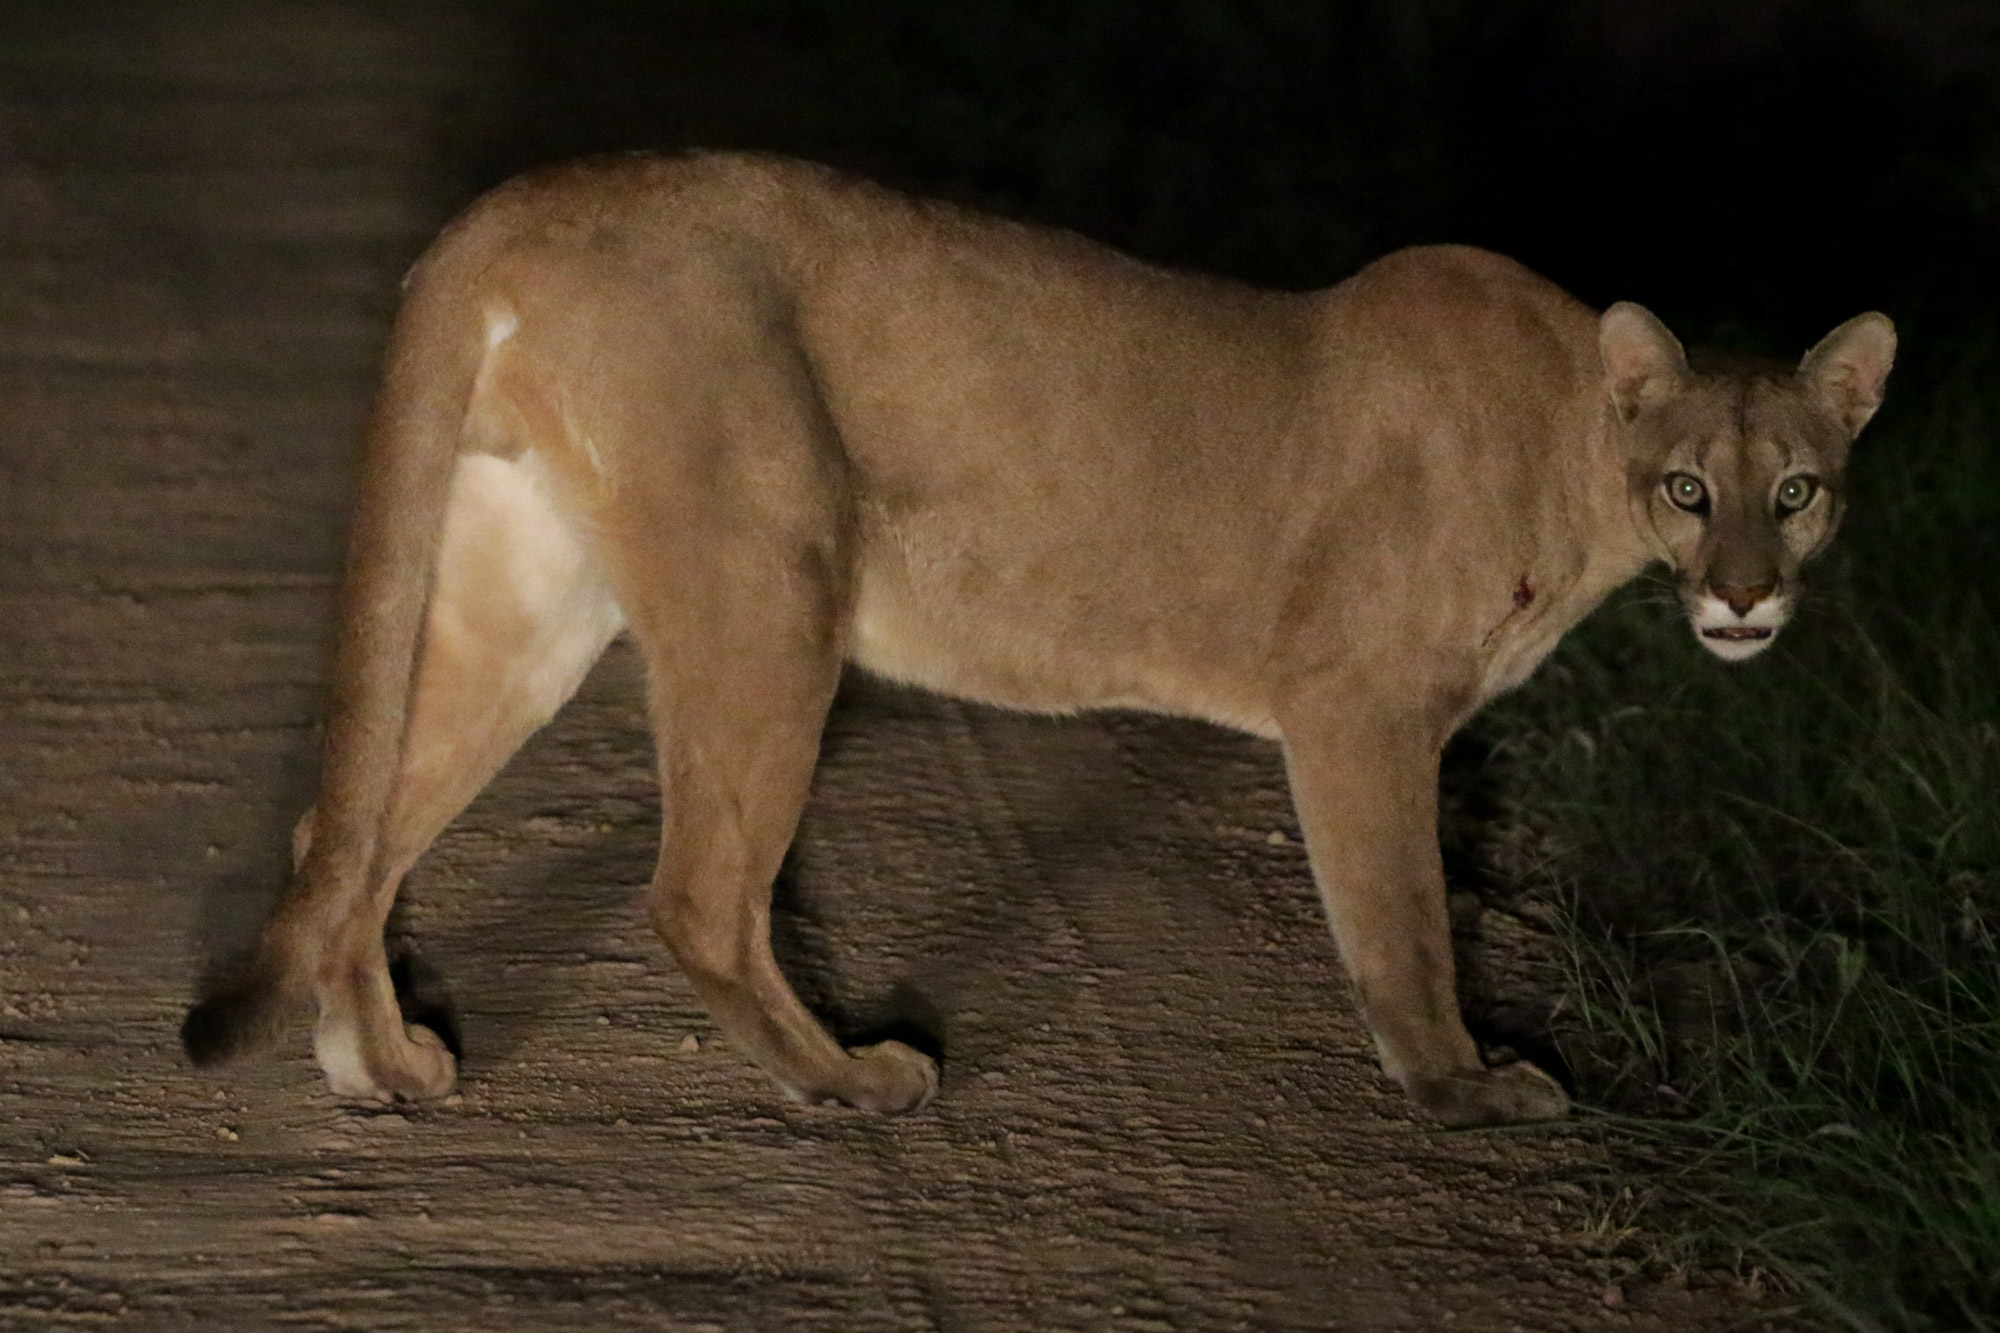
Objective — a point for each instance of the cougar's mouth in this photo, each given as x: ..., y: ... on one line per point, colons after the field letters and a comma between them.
x: 1736, y: 637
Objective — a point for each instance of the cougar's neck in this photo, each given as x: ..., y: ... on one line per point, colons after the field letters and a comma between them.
x: 1600, y: 497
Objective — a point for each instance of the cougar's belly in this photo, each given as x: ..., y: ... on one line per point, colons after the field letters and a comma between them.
x: 1041, y: 649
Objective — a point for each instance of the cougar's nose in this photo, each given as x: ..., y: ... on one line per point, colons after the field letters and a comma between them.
x: 1742, y: 599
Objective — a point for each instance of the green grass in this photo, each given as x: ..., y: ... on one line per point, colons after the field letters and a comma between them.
x: 1780, y: 888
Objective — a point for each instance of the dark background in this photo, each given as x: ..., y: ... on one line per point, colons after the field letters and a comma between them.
x: 1755, y: 171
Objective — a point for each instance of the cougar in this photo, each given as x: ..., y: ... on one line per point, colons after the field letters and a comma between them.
x: 770, y: 420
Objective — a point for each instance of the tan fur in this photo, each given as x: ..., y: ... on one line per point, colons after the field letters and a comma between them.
x: 770, y: 419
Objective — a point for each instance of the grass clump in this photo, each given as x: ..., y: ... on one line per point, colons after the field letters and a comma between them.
x: 1780, y: 886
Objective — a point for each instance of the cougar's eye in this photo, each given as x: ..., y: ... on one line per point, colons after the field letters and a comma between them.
x: 1794, y: 494
x: 1687, y: 492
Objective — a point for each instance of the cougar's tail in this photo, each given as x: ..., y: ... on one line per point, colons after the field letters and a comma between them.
x: 408, y: 455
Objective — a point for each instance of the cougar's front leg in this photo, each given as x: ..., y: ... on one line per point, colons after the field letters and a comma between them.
x: 1365, y: 785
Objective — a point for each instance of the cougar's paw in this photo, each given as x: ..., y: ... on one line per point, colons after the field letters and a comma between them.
x: 408, y: 1066
x: 890, y: 1077
x: 1513, y: 1094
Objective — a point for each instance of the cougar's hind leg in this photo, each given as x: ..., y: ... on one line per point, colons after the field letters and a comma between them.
x: 518, y: 615
x: 738, y: 726
x: 732, y: 541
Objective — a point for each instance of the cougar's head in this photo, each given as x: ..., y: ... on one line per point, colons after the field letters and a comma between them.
x: 1737, y: 467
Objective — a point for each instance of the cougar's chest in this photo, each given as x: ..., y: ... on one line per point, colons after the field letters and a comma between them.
x: 1543, y: 603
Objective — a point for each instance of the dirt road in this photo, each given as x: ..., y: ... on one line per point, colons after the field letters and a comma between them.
x: 1158, y: 1111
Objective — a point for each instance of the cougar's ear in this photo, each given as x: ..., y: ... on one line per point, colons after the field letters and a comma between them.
x: 1643, y: 362
x: 1845, y: 373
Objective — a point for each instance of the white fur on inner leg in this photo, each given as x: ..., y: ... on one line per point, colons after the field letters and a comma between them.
x: 514, y: 573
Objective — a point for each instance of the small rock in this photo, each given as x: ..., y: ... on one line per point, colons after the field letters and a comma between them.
x: 339, y: 1219
x: 690, y: 1043
x: 1613, y: 1294
x: 1276, y: 838
x: 226, y: 1134
x: 604, y: 1020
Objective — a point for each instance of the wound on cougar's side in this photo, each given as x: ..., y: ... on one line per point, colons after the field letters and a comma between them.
x: 1524, y: 594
